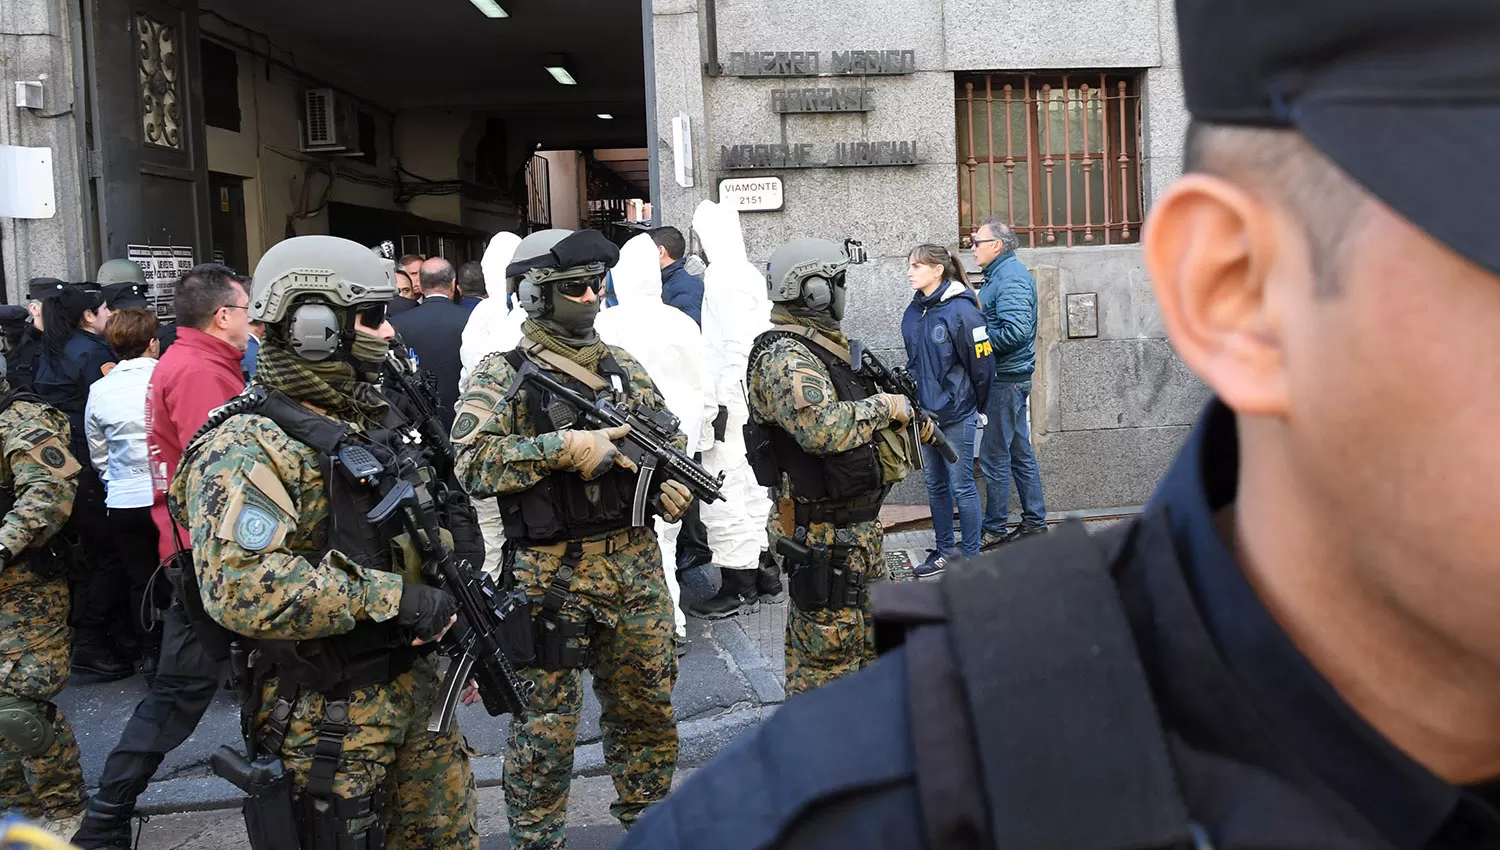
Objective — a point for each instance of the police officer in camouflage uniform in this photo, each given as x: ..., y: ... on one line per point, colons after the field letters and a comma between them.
x: 39, y: 769
x: 284, y: 555
x: 830, y: 439
x: 599, y: 599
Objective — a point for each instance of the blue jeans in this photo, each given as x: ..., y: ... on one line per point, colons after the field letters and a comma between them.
x: 950, y: 482
x: 1006, y: 452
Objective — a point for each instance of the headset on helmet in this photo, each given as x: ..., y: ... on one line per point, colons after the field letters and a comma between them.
x: 811, y: 273
x: 310, y: 287
x: 536, y: 300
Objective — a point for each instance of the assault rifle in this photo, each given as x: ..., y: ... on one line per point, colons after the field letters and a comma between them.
x: 416, y: 387
x: 648, y: 445
x: 493, y: 632
x: 899, y: 382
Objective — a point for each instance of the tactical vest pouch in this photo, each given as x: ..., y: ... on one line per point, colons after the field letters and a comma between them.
x: 761, y: 454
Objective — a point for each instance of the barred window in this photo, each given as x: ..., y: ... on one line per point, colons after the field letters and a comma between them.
x: 1058, y: 156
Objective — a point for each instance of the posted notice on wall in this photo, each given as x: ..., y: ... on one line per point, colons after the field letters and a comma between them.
x: 26, y: 185
x: 164, y: 266
x: 751, y: 194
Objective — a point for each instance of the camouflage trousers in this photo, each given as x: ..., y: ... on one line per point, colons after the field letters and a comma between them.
x: 35, y: 645
x: 824, y: 645
x: 425, y: 777
x: 634, y: 667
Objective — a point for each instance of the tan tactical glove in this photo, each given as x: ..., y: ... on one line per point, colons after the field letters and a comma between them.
x: 593, y: 453
x: 898, y: 407
x: 675, y: 499
x: 929, y: 430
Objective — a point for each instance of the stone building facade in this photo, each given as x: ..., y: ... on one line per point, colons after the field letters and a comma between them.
x: 1111, y: 402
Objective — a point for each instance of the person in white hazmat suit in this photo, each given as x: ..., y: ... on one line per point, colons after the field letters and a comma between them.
x: 491, y: 328
x: 668, y: 343
x: 736, y: 310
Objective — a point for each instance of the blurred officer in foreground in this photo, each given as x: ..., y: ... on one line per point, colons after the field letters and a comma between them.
x: 1297, y: 644
x: 40, y: 774
x: 839, y: 443
x: 595, y: 581
x: 285, y: 556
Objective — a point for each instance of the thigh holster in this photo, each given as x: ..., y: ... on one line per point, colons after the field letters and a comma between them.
x: 561, y: 644
x: 821, y: 578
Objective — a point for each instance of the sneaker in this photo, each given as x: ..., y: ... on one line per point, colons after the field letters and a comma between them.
x: 680, y: 644
x: 934, y: 565
x: 1021, y: 531
x: 991, y: 539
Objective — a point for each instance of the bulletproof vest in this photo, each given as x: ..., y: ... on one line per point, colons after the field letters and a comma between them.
x: 563, y: 506
x: 841, y: 477
x: 372, y: 652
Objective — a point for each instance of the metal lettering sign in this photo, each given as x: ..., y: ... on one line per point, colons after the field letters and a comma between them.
x: 809, y: 63
x: 751, y: 194
x: 840, y: 155
x: 833, y: 99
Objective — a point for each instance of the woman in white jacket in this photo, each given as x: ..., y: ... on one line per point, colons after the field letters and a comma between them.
x: 114, y: 421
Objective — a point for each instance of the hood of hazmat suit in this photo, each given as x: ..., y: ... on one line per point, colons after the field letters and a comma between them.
x: 491, y: 327
x: 736, y: 308
x: 662, y: 338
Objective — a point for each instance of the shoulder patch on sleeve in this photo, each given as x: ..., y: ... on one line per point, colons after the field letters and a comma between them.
x: 49, y: 452
x: 472, y: 416
x: 981, y: 333
x: 809, y: 388
x: 253, y: 521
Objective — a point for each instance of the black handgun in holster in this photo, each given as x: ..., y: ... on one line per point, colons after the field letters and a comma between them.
x: 820, y: 577
x: 270, y: 815
x: 555, y: 634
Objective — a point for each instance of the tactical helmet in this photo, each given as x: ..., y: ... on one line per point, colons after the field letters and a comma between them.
x: 810, y: 273
x: 527, y: 294
x: 120, y: 271
x: 314, y: 285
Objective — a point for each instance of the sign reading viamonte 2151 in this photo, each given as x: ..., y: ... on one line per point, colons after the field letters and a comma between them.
x: 751, y: 194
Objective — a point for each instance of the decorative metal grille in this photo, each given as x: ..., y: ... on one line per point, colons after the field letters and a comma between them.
x: 160, y: 69
x: 1057, y: 156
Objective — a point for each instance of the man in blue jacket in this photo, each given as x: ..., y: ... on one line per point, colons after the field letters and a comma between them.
x: 1008, y: 299
x: 679, y: 288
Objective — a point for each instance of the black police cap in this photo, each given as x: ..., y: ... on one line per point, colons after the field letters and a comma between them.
x: 41, y: 288
x: 121, y: 296
x: 1403, y: 95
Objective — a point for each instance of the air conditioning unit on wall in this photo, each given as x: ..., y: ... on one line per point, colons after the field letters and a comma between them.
x: 329, y: 123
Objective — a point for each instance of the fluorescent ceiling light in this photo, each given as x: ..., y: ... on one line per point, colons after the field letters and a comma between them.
x: 606, y: 116
x: 561, y: 74
x: 490, y: 8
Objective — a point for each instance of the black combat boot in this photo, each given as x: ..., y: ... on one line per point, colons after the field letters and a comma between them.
x: 106, y: 826
x: 768, y: 578
x: 98, y: 663
x: 736, y: 595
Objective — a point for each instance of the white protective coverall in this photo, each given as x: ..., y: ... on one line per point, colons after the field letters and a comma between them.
x: 736, y: 310
x: 669, y: 345
x: 490, y: 329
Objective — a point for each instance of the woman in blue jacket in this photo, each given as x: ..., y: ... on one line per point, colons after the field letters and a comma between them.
x: 949, y: 356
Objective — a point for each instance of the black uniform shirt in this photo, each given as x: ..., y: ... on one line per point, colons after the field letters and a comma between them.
x: 1302, y: 713
x: 1267, y: 755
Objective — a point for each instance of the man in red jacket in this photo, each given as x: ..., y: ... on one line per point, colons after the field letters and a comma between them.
x: 197, y: 374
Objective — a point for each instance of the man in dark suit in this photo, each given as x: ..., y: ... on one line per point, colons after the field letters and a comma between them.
x: 433, y: 331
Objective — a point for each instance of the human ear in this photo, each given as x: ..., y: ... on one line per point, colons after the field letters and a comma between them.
x: 1211, y: 248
